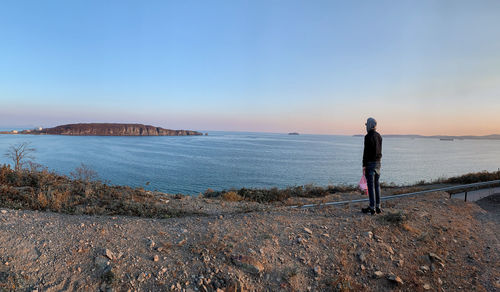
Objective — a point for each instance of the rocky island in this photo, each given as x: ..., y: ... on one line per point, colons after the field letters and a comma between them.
x: 107, y: 129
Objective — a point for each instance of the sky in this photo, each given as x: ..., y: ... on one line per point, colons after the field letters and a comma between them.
x: 323, y: 67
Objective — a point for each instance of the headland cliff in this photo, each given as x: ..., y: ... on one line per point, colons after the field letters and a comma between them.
x: 109, y: 129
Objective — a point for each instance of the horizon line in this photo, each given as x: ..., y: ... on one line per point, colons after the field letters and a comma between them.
x: 5, y: 128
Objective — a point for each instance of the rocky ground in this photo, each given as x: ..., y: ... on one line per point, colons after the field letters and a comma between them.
x: 421, y: 243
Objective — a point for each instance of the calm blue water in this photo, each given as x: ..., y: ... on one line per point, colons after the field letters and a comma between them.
x: 225, y: 160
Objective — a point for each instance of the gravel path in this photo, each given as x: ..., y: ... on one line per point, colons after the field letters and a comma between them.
x: 423, y: 243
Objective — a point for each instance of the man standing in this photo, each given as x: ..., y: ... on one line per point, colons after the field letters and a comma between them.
x: 372, y: 155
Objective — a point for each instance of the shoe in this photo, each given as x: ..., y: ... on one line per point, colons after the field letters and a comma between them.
x: 368, y: 210
x: 378, y: 210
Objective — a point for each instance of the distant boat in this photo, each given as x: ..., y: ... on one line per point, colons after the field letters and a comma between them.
x: 293, y: 133
x: 446, y: 139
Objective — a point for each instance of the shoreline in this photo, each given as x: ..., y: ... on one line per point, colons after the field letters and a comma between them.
x: 45, y: 190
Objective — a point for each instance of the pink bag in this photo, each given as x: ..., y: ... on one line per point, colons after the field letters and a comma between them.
x: 362, y: 183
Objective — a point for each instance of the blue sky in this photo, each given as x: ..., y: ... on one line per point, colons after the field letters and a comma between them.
x: 426, y: 67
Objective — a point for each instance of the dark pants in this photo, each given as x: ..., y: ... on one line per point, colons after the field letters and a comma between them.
x: 372, y: 174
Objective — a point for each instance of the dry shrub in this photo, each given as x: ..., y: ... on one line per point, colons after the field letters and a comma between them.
x: 473, y: 177
x: 231, y: 197
x: 58, y: 200
x: 43, y: 190
x: 84, y: 173
x: 280, y: 195
x: 42, y: 200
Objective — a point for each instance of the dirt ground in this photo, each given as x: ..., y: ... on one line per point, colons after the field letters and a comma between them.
x: 420, y: 243
x: 491, y: 204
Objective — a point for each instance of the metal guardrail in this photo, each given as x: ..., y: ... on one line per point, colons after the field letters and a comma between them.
x: 467, y: 186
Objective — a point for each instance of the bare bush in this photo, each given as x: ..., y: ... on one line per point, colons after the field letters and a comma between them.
x: 20, y: 154
x: 35, y: 167
x: 84, y: 173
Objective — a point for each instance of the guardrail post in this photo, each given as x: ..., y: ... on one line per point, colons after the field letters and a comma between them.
x: 465, y: 196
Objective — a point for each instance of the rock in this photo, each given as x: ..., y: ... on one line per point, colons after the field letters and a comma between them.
x: 440, y: 282
x: 326, y: 235
x: 435, y: 258
x: 141, y: 277
x: 4, y: 211
x: 317, y: 270
x: 388, y: 248
x: 362, y: 267
x: 248, y: 264
x: 427, y: 287
x: 378, y: 274
x: 395, y: 279
x: 301, y: 240
x: 369, y: 234
x: 109, y: 254
x: 308, y: 230
x: 155, y: 258
x: 101, y: 262
x: 362, y: 257
x: 151, y: 243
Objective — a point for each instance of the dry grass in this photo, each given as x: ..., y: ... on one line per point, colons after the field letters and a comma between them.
x: 44, y: 190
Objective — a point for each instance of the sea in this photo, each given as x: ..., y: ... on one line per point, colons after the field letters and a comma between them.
x: 226, y: 160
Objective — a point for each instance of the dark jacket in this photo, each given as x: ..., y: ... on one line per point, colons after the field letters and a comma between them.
x: 373, y: 148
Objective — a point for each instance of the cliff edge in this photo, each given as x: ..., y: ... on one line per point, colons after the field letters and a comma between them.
x: 110, y: 129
